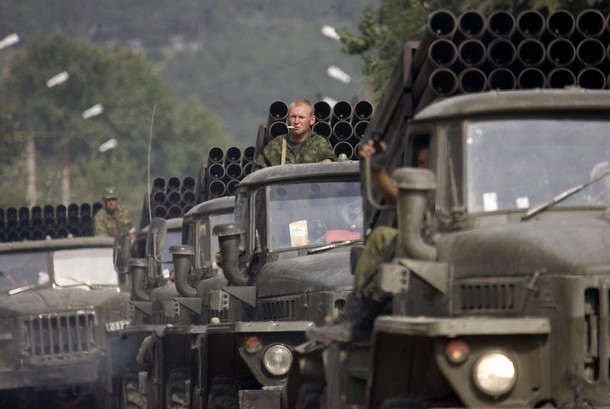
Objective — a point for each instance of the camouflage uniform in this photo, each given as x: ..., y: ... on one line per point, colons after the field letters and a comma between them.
x: 380, y: 247
x: 112, y: 224
x: 316, y: 148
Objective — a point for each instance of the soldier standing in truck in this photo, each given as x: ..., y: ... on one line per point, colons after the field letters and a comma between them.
x: 113, y: 219
x: 301, y: 144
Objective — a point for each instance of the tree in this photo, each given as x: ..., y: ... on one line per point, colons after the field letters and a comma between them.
x: 138, y: 111
x: 384, y: 31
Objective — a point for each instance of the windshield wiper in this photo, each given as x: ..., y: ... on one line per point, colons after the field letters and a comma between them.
x: 561, y: 197
x: 332, y: 245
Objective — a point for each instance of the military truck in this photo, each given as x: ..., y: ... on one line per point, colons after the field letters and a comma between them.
x: 499, y: 283
x: 283, y: 258
x: 56, y: 298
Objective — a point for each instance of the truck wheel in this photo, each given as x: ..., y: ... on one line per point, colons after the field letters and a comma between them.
x: 177, y: 389
x: 130, y: 393
x: 224, y: 391
x: 312, y: 395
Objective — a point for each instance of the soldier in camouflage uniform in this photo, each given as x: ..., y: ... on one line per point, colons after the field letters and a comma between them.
x: 113, y: 220
x: 368, y: 301
x: 301, y: 145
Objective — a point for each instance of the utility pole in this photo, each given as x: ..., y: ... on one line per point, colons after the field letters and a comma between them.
x: 30, y: 171
x: 65, y: 179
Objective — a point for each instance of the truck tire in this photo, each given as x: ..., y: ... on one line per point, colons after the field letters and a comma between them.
x: 130, y: 393
x: 224, y: 391
x: 311, y: 395
x: 177, y: 389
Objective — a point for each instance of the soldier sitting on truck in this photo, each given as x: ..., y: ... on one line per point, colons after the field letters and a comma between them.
x: 301, y: 144
x: 368, y: 301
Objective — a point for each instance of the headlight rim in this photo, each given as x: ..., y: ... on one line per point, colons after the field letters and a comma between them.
x: 486, y: 390
x: 264, y: 361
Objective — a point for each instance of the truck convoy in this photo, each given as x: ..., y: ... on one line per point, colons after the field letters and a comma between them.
x: 221, y: 335
x: 499, y: 285
x: 57, y: 296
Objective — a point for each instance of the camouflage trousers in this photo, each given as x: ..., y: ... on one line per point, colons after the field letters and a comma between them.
x: 380, y: 247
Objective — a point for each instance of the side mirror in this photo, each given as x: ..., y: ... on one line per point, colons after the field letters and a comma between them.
x: 155, y: 240
x: 121, y: 252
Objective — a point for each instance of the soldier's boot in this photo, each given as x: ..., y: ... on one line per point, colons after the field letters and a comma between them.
x: 354, y: 324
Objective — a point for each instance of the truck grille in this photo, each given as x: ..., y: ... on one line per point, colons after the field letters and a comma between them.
x: 59, y: 334
x: 485, y: 297
x: 279, y: 310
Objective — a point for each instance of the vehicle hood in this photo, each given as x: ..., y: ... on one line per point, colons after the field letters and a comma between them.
x: 551, y: 246
x: 328, y: 271
x: 43, y: 300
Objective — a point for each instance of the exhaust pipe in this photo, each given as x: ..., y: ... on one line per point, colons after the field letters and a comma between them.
x: 182, y: 257
x: 413, y: 187
x: 228, y: 240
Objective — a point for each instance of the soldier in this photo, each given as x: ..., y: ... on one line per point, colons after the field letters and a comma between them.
x: 301, y: 145
x: 113, y: 220
x: 368, y: 301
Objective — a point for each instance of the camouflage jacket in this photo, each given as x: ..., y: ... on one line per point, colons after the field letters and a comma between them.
x: 113, y: 225
x: 316, y: 148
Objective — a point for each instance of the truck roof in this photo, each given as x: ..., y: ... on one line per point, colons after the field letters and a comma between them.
x: 301, y: 171
x: 55, y: 244
x: 212, y: 206
x: 523, y: 101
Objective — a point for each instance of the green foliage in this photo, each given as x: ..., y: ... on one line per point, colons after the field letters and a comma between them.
x: 138, y: 110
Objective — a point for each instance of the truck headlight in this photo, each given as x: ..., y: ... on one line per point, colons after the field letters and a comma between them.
x: 277, y: 360
x: 495, y: 373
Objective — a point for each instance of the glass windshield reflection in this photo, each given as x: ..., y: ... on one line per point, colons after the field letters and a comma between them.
x: 313, y: 213
x: 91, y: 266
x: 21, y: 270
x: 518, y: 164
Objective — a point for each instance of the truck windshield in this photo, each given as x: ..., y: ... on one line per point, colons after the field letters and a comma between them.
x: 19, y: 270
x: 91, y: 266
x: 306, y: 214
x: 519, y: 163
